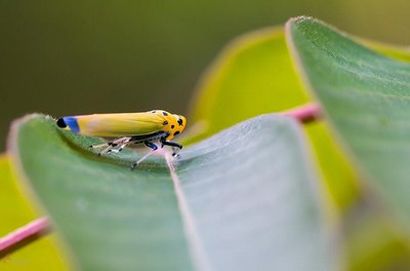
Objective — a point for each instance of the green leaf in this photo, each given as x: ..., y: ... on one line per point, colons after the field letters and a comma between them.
x: 255, y: 75
x: 244, y: 199
x: 15, y: 211
x: 366, y: 98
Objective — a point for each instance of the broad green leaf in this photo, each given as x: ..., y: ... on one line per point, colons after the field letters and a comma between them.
x: 365, y: 96
x: 255, y: 75
x: 15, y: 211
x: 246, y: 199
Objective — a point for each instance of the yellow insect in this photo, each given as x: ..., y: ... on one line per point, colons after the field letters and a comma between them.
x: 128, y: 128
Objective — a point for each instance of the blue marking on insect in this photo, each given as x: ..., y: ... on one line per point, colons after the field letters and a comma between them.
x: 72, y: 123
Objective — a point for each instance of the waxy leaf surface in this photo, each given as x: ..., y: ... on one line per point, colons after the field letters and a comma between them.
x: 366, y: 97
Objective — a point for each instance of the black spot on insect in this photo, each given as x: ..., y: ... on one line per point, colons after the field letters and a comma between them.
x: 153, y: 111
x: 164, y: 113
x: 176, y: 133
x: 172, y: 126
x: 165, y: 122
x: 180, y: 122
x: 61, y: 123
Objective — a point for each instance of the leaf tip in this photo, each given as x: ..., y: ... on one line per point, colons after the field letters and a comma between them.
x: 298, y: 20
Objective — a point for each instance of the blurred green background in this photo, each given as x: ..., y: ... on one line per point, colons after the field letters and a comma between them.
x: 77, y: 57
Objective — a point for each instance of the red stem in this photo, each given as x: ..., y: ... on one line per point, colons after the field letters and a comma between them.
x: 35, y: 227
x: 305, y: 113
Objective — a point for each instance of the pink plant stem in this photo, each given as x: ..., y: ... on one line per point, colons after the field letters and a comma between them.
x: 305, y: 113
x: 33, y: 228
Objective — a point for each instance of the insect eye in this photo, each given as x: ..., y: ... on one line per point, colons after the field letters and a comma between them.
x: 180, y: 122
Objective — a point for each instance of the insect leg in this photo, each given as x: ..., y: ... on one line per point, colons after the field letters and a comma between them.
x: 120, y: 143
x: 175, y: 146
x: 113, y: 146
x: 117, y: 148
x: 151, y: 145
x: 96, y: 146
x: 120, y: 148
x: 153, y: 148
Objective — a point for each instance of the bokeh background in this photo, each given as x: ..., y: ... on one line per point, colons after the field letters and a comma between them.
x: 78, y: 57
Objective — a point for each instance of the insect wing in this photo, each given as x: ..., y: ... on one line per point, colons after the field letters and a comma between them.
x: 118, y: 125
